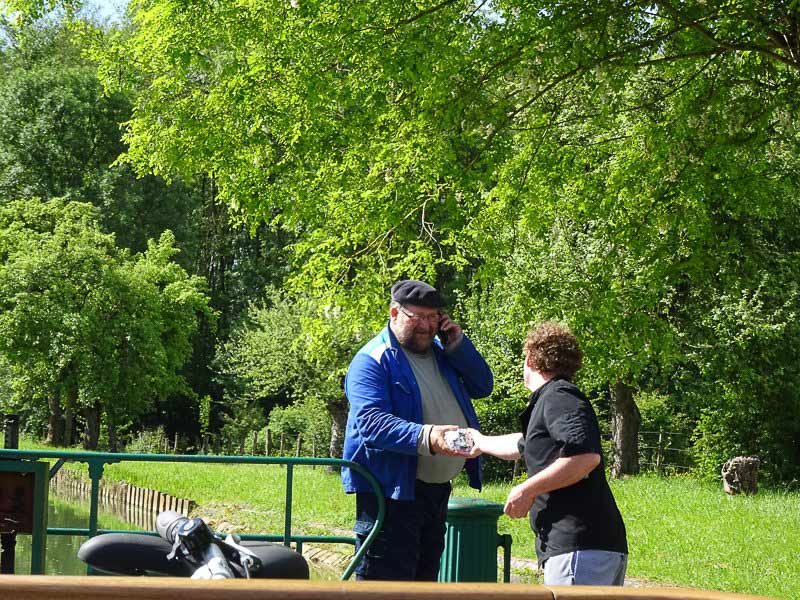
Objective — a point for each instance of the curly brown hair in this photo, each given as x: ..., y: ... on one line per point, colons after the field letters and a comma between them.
x: 552, y: 348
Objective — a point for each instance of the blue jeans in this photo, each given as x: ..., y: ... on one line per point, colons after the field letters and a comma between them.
x: 410, y: 543
x: 586, y: 567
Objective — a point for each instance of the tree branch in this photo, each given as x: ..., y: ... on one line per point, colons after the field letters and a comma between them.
x: 422, y: 14
x: 737, y: 47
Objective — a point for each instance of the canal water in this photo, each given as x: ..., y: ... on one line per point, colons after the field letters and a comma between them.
x: 62, y: 550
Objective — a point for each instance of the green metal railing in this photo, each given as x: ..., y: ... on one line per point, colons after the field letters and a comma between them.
x: 98, y: 460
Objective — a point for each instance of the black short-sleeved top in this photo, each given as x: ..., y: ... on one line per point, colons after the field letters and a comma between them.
x: 559, y: 421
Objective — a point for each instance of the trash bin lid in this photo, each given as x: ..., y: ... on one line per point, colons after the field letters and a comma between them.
x: 468, y: 507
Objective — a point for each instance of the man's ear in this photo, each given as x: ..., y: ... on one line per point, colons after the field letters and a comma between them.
x: 393, y: 312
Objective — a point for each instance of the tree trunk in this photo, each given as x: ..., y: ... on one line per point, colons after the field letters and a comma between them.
x: 626, y: 422
x: 55, y: 423
x: 740, y: 475
x: 69, y: 425
x: 69, y: 414
x: 91, y: 433
x: 113, y: 445
x: 338, y: 410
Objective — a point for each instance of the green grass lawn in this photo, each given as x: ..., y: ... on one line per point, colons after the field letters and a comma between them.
x: 689, y: 533
x: 680, y: 531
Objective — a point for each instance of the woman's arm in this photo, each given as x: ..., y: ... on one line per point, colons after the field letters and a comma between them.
x: 501, y: 446
x: 563, y: 472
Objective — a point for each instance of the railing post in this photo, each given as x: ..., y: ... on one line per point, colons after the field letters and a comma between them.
x: 287, y: 517
x: 95, y: 474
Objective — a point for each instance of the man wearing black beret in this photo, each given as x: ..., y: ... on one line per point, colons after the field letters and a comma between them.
x: 407, y: 386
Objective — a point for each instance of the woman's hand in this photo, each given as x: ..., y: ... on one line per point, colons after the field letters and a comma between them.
x: 519, y: 501
x: 477, y: 439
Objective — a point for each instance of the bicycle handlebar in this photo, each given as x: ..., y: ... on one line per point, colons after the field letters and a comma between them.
x: 198, y: 544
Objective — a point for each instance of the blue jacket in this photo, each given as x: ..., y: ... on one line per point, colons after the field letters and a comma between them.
x: 385, y: 415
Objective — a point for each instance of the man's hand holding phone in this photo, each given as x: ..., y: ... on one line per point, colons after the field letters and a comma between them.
x: 450, y: 333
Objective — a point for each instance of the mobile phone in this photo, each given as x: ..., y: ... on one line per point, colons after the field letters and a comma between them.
x: 442, y: 334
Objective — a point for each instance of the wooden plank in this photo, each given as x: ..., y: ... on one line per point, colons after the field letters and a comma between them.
x: 629, y: 593
x: 33, y: 587
x: 156, y: 588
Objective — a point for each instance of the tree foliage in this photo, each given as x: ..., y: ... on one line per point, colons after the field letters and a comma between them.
x: 287, y: 360
x: 60, y: 137
x: 580, y: 160
x: 628, y: 168
x: 86, y: 323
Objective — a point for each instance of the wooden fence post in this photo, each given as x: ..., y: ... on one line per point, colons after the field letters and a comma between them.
x: 658, y: 451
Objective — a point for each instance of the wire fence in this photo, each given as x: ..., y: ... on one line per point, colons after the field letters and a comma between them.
x: 665, y: 451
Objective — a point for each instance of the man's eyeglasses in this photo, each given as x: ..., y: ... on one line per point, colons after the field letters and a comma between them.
x: 432, y: 318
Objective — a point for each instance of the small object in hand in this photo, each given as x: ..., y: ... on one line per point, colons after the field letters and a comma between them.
x: 459, y: 440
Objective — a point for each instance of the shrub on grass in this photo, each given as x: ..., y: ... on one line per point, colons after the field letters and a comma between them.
x: 148, y: 441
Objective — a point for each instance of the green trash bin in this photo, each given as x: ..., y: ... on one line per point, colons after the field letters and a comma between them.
x: 471, y: 542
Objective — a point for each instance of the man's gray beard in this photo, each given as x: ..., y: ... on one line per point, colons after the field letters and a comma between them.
x: 416, y: 350
x: 407, y: 344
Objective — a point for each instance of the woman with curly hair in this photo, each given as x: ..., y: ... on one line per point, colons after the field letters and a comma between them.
x: 580, y: 535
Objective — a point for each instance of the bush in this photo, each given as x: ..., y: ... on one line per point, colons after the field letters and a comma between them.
x: 148, y: 441
x: 658, y: 413
x: 309, y: 418
x: 737, y: 426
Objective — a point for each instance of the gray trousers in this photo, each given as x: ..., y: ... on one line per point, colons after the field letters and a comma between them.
x: 586, y: 567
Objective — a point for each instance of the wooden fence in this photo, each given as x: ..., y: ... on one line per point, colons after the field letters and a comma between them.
x: 137, y: 505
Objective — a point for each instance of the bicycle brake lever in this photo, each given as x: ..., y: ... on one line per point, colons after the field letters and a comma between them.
x: 175, y: 547
x: 246, y: 558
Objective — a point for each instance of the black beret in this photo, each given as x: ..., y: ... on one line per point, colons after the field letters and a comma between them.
x: 419, y: 293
